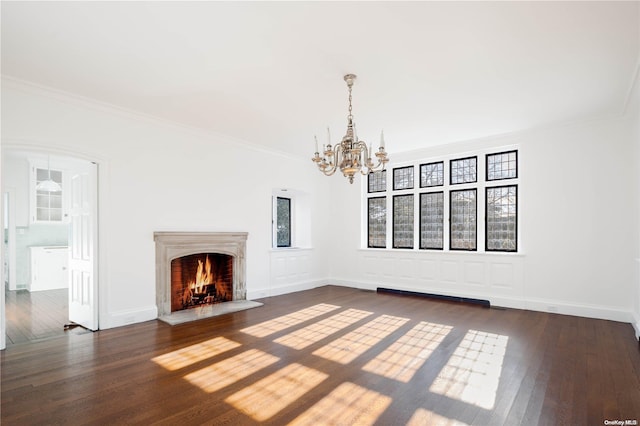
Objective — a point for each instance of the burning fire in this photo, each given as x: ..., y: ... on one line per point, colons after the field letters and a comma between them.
x: 203, y: 276
x: 207, y: 287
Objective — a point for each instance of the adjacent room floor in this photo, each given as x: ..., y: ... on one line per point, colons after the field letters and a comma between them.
x: 37, y: 315
x: 333, y: 355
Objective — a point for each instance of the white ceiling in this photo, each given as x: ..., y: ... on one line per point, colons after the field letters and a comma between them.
x: 270, y: 73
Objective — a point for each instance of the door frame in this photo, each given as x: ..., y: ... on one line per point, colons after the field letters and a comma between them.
x: 11, y: 253
x: 99, y: 164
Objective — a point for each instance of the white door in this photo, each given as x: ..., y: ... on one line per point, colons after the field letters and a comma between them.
x: 83, y: 303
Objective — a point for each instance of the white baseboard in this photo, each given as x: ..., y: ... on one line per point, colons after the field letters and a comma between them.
x: 551, y: 306
x: 277, y: 291
x: 128, y: 316
x: 636, y: 323
x: 579, y: 310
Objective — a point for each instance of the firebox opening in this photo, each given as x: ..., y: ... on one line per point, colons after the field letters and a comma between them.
x: 201, y: 279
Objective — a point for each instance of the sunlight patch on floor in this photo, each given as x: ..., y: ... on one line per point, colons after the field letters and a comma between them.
x: 422, y: 417
x: 184, y: 357
x: 228, y: 371
x: 353, y: 344
x: 348, y: 404
x: 405, y: 356
x: 281, y: 323
x: 473, y: 371
x: 266, y: 397
x: 300, y: 339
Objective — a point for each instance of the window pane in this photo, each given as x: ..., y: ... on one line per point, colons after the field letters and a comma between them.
x: 432, y: 174
x: 41, y: 174
x: 403, y: 221
x: 463, y: 220
x: 463, y: 170
x: 502, y: 211
x: 378, y: 181
x: 55, y: 215
x: 377, y: 230
x: 432, y: 220
x: 502, y: 166
x: 55, y: 201
x: 283, y: 224
x: 403, y: 178
x: 56, y: 176
x: 48, y: 204
x: 42, y: 214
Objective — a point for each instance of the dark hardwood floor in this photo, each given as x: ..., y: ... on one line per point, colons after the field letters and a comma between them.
x: 333, y: 355
x: 35, y: 316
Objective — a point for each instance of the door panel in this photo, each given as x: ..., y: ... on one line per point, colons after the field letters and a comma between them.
x: 83, y: 306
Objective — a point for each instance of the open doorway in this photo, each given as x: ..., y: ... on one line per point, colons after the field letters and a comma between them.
x: 49, y: 245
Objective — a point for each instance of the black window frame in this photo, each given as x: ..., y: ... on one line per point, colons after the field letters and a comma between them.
x: 369, y: 221
x: 486, y: 165
x: 429, y: 164
x: 472, y: 157
x: 413, y: 181
x: 420, y: 221
x: 393, y: 222
x: 486, y: 219
x: 451, y: 248
x: 369, y: 191
x: 278, y: 198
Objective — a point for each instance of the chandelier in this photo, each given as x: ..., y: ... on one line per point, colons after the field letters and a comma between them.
x: 351, y: 155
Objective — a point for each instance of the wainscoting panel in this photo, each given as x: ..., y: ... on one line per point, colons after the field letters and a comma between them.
x: 291, y: 270
x: 474, y: 273
x: 450, y: 270
x: 498, y: 278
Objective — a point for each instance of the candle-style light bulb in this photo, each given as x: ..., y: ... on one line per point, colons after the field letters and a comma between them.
x: 328, y: 136
x: 316, y: 138
x: 382, y: 139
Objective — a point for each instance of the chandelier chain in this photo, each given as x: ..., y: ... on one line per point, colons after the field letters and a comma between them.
x: 350, y: 107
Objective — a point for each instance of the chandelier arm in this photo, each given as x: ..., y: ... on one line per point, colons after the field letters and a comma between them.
x: 333, y: 164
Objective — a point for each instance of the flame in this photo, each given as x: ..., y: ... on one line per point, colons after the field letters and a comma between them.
x: 203, y: 276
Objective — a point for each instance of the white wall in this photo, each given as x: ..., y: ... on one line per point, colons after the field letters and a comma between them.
x: 576, y: 188
x: 633, y: 117
x: 159, y: 177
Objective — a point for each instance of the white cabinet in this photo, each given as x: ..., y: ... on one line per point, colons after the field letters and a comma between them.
x: 49, y: 268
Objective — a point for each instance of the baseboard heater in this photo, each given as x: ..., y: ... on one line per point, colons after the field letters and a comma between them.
x: 480, y: 302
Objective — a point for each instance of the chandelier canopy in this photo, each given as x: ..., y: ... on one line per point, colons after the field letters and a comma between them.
x: 351, y: 155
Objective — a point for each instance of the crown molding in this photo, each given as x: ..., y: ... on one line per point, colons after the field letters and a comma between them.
x: 36, y: 89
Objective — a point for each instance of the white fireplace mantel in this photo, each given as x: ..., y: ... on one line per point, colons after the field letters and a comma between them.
x: 172, y: 245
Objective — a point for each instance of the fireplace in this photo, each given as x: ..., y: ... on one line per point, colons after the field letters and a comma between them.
x: 201, y: 279
x: 199, y: 269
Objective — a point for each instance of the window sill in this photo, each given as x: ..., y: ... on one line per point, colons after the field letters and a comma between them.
x: 445, y: 252
x: 276, y: 249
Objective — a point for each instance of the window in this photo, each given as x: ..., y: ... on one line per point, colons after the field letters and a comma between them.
x: 403, y: 221
x: 377, y: 222
x: 403, y: 178
x: 377, y: 181
x: 466, y: 202
x: 463, y: 170
x: 48, y: 205
x: 432, y: 220
x: 463, y: 219
x: 283, y: 222
x: 503, y: 165
x: 431, y: 174
x: 501, y: 233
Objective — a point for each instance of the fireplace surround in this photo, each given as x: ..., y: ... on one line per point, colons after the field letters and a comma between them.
x: 173, y: 245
